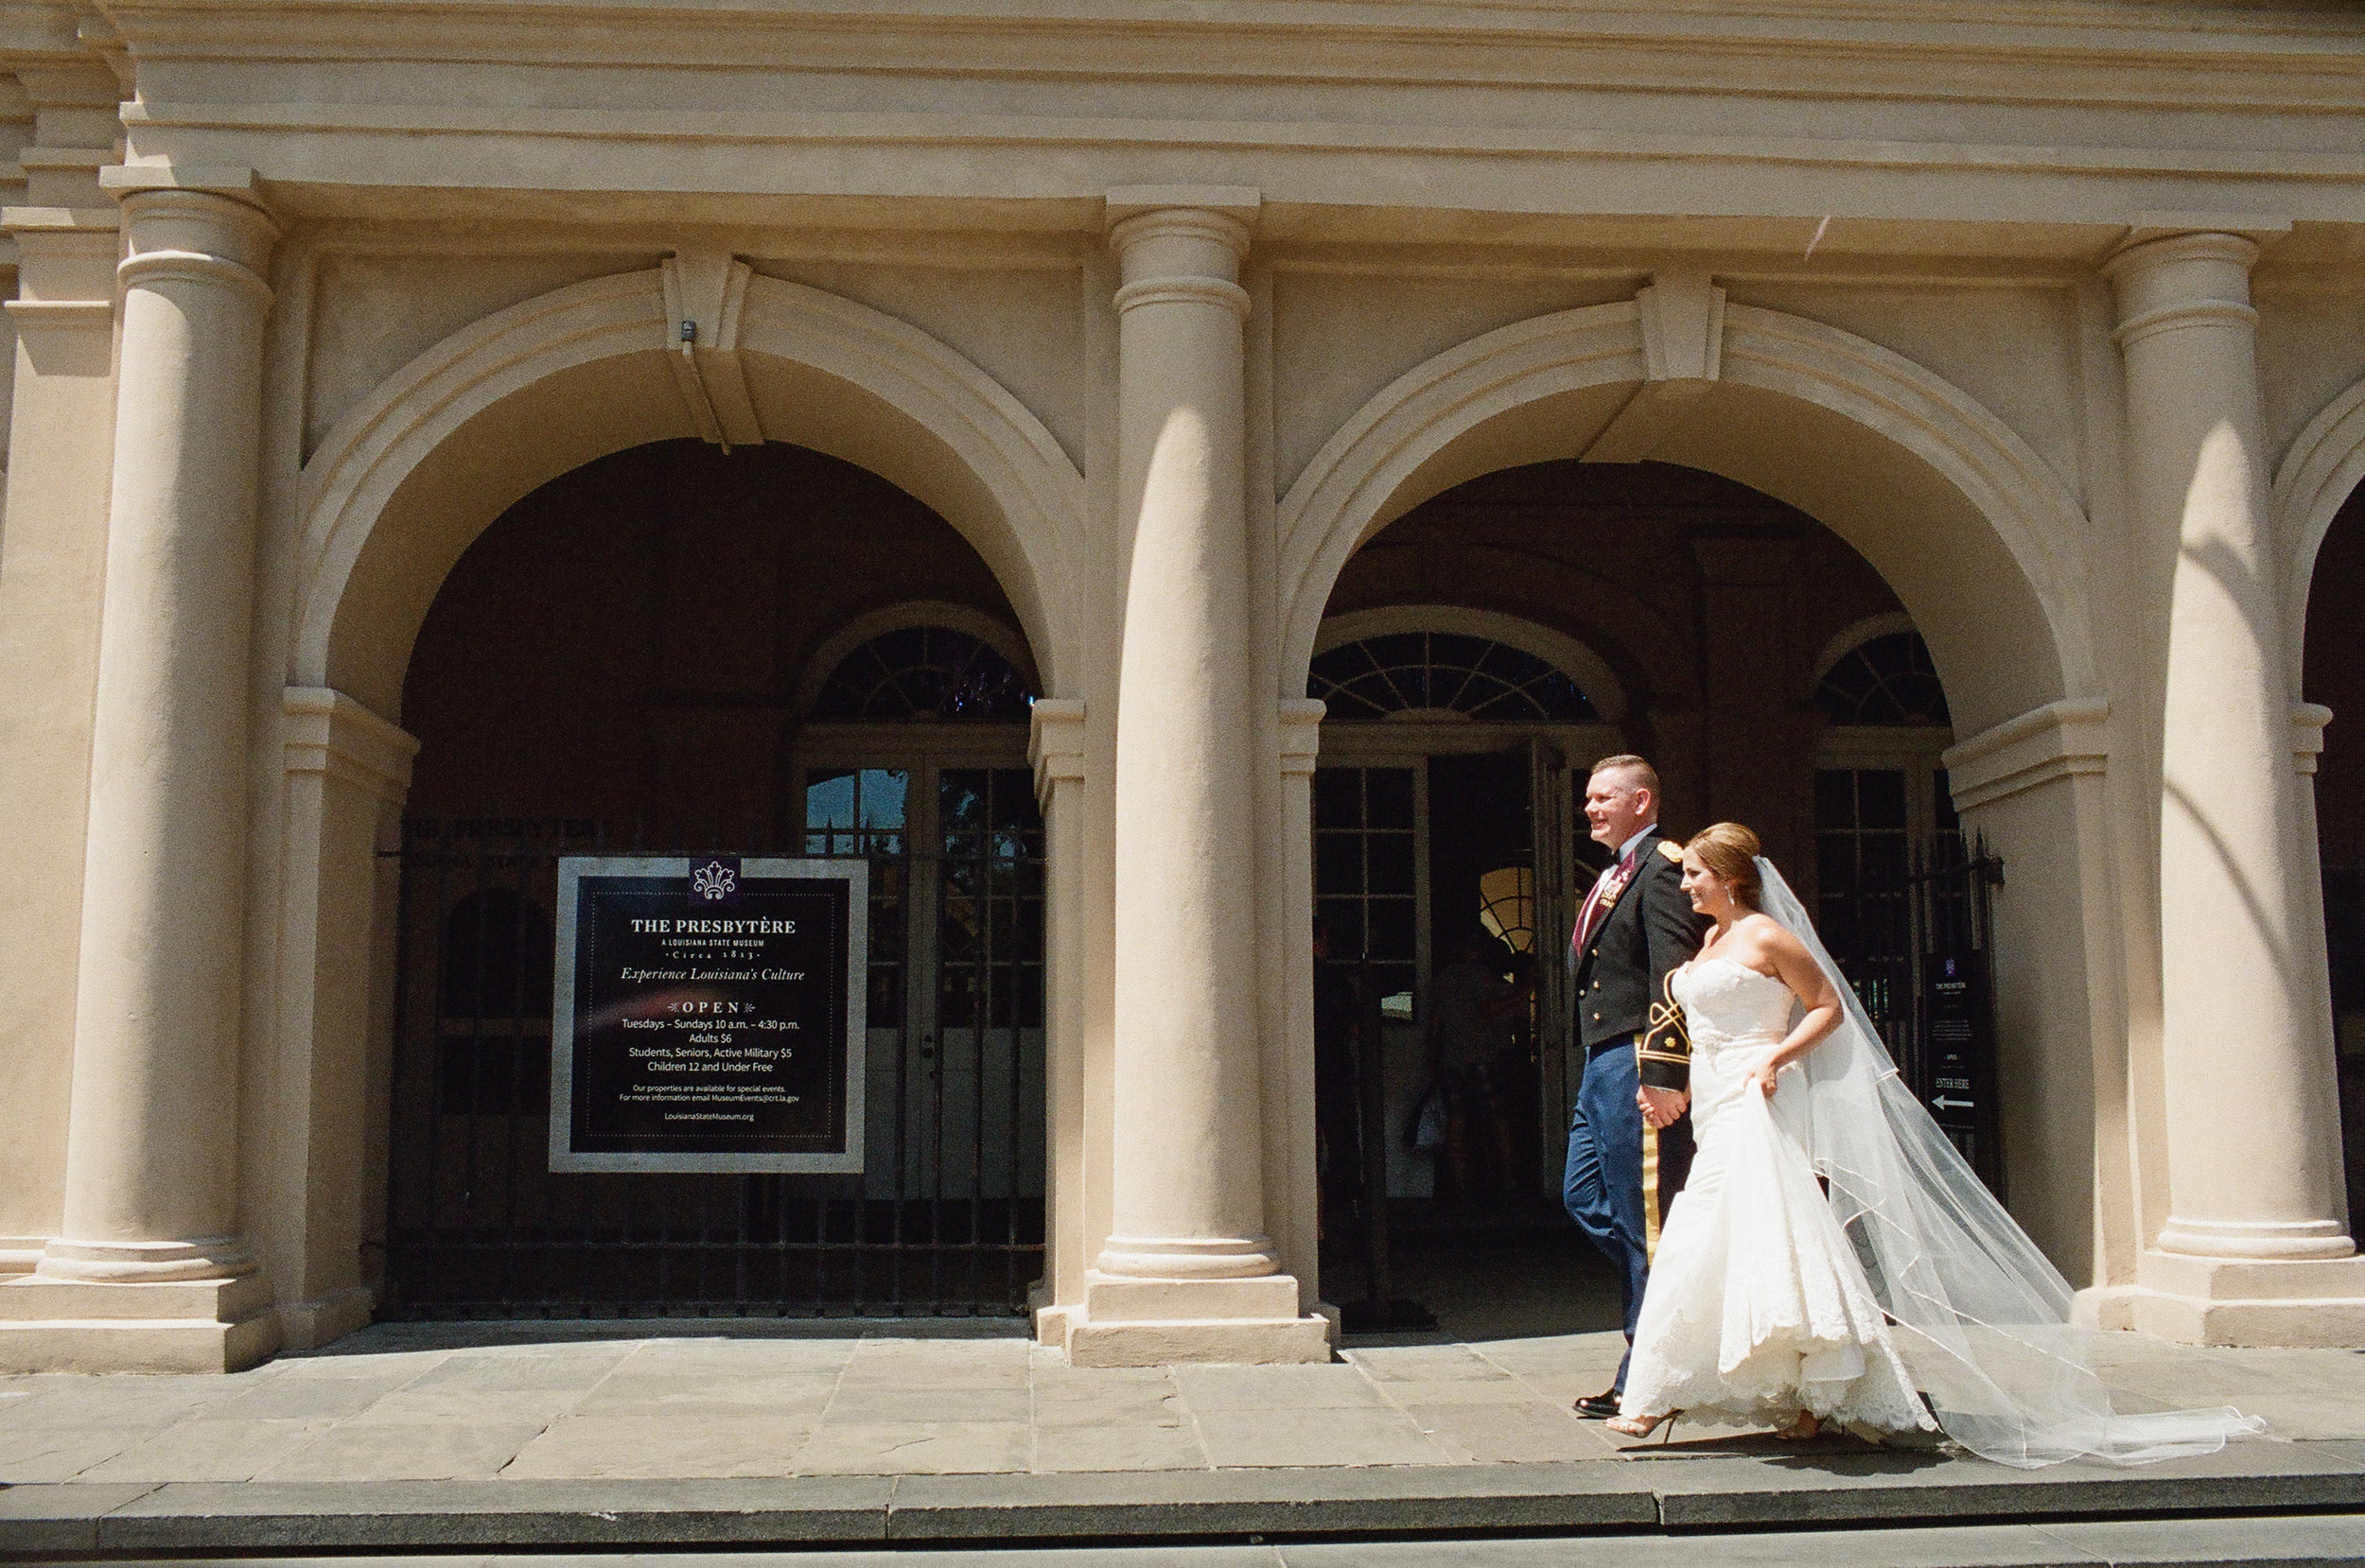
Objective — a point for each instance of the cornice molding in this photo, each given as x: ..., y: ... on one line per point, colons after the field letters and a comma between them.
x: 982, y: 132
x: 2102, y: 55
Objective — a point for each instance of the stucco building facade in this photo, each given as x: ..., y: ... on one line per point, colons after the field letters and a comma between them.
x: 429, y: 416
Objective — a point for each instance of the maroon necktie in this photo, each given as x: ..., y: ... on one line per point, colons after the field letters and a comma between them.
x: 1597, y: 903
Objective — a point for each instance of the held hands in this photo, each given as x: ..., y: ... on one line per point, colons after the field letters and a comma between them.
x: 1662, y: 1108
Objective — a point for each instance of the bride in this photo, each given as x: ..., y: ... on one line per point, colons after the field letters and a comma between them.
x: 1771, y: 1303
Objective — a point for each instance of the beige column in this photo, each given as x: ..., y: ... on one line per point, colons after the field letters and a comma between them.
x: 1188, y: 1272
x: 149, y: 1194
x: 53, y: 543
x: 2252, y: 1113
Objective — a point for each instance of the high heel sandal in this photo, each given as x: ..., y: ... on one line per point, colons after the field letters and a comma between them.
x: 1806, y: 1429
x: 1664, y: 1425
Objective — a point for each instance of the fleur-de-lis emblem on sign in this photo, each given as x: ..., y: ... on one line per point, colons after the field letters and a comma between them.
x: 713, y: 882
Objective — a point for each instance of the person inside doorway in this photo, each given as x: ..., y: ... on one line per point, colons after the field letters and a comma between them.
x: 1471, y: 1014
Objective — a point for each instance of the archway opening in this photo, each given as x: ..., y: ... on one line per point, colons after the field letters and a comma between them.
x: 2333, y: 674
x: 766, y: 656
x: 1477, y: 654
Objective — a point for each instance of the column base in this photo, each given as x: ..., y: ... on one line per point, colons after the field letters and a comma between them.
x: 1053, y: 1321
x: 182, y: 1326
x: 1137, y: 1322
x: 19, y: 1254
x: 2311, y: 1303
x: 309, y: 1325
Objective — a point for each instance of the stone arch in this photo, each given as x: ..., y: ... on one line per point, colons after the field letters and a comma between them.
x: 1981, y: 540
x: 2323, y: 468
x: 409, y: 477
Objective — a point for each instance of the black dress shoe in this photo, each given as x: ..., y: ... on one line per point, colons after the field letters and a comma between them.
x: 1598, y: 1407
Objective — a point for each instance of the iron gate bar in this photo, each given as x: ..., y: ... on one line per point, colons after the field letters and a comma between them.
x: 506, y: 1250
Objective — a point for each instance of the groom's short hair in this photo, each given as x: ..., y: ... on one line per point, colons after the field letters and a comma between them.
x: 1646, y: 776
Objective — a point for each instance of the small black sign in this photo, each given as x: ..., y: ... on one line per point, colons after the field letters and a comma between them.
x: 1954, y: 1044
x: 708, y: 1016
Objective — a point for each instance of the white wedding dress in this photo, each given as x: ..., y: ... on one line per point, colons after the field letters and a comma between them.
x: 1758, y: 1306
x: 1769, y: 1296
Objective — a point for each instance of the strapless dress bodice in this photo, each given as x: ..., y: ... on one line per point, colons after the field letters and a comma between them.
x: 1727, y: 1003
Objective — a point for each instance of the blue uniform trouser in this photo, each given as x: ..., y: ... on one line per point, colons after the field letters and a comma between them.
x: 1603, y: 1184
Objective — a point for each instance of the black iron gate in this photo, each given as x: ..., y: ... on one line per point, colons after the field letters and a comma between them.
x: 1915, y: 938
x: 947, y: 1219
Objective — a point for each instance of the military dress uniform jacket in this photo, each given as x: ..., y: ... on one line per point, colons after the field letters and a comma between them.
x: 1648, y: 934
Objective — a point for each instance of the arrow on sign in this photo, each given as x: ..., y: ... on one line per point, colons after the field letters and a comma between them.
x: 1944, y: 1104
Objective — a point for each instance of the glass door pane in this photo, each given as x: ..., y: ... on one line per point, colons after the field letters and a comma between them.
x: 985, y: 1089
x: 866, y: 811
x: 1370, y: 879
x: 1862, y: 853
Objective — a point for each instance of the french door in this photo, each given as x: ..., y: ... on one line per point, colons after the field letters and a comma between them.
x: 955, y: 1046
x: 1419, y: 827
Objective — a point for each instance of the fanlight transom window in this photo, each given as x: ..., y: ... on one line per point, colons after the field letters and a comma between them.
x: 1886, y: 680
x: 924, y: 672
x: 1411, y: 673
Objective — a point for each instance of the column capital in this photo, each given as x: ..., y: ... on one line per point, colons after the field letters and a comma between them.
x: 324, y: 731
x: 2062, y: 740
x: 1301, y: 722
x: 1181, y: 244
x: 2308, y: 734
x: 2168, y: 278
x: 181, y: 234
x: 205, y: 222
x: 1055, y: 744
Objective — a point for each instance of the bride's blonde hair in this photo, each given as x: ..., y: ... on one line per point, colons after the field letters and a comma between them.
x: 1731, y: 851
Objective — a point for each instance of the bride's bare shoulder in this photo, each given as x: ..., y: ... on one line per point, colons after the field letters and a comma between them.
x: 1770, y: 936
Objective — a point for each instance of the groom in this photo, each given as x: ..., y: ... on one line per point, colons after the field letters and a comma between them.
x: 1634, y: 927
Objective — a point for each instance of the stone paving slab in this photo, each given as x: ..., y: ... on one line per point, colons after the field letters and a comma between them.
x: 447, y: 1401
x: 584, y: 1435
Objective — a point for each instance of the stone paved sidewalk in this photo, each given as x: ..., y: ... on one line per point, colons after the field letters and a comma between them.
x: 555, y: 1402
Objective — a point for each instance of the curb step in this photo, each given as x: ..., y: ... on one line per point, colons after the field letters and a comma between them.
x: 1851, y: 1492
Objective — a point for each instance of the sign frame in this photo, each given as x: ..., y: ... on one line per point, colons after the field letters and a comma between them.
x: 847, y: 1161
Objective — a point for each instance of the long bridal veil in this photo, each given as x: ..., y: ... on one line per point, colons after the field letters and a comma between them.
x: 1982, y: 1316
